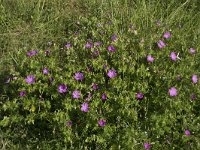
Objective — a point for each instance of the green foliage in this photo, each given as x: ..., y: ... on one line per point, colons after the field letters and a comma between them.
x: 39, y: 119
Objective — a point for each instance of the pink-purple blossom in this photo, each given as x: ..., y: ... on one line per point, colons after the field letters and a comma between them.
x: 139, y: 96
x: 88, y: 45
x: 161, y: 44
x: 30, y: 79
x: 114, y: 37
x: 111, y: 48
x: 45, y: 71
x: 69, y: 123
x: 102, y: 122
x: 104, y: 97
x: 150, y: 58
x: 79, y: 76
x: 94, y: 86
x: 112, y: 73
x: 194, y: 79
x: 147, y: 146
x: 85, y: 107
x: 167, y: 35
x: 68, y: 45
x: 98, y: 44
x: 22, y: 93
x: 173, y: 56
x: 32, y: 53
x: 76, y: 94
x: 62, y: 88
x: 192, y: 50
x: 172, y: 91
x: 187, y: 132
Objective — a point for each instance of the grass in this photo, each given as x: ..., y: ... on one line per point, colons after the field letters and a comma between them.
x: 32, y: 24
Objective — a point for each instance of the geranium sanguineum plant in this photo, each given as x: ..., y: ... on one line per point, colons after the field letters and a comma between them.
x: 30, y: 79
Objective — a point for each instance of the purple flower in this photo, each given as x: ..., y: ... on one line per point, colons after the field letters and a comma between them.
x: 104, y: 66
x: 161, y: 44
x: 84, y: 107
x: 111, y: 48
x: 69, y: 123
x: 62, y: 88
x: 32, y: 53
x: 94, y: 86
x: 22, y: 93
x: 147, y: 146
x: 98, y: 24
x: 30, y: 79
x: 89, y: 96
x: 45, y: 71
x: 114, y: 37
x: 150, y: 58
x: 192, y: 51
x: 51, y: 79
x: 193, y: 97
x: 98, y: 44
x: 194, y: 78
x: 96, y: 52
x: 167, y: 35
x: 102, y: 123
x: 79, y: 76
x: 178, y: 78
x: 88, y: 45
x: 173, y: 56
x: 112, y: 73
x: 104, y: 97
x: 139, y: 96
x: 47, y: 52
x: 172, y: 91
x: 68, y: 45
x: 187, y: 132
x: 158, y: 23
x: 76, y: 94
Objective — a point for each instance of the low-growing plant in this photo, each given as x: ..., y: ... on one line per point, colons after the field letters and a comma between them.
x: 104, y: 88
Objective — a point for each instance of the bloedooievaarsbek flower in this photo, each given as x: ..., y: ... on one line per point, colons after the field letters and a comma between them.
x: 45, y: 71
x: 98, y: 44
x: 22, y: 93
x: 32, y: 53
x: 104, y: 97
x: 150, y: 58
x: 88, y: 45
x: 94, y: 86
x: 85, y: 107
x: 147, y: 146
x: 68, y: 45
x: 167, y: 35
x: 111, y: 48
x: 194, y: 78
x: 79, y: 76
x: 30, y: 79
x: 172, y: 91
x: 173, y: 56
x: 69, y: 123
x: 192, y: 50
x: 114, y: 37
x: 112, y: 73
x: 62, y: 88
x: 193, y: 96
x: 89, y: 96
x: 139, y: 96
x: 161, y: 44
x: 102, y: 122
x: 187, y: 132
x: 47, y: 52
x: 76, y: 94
